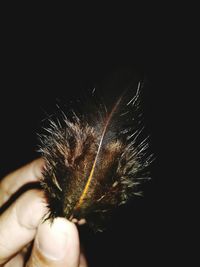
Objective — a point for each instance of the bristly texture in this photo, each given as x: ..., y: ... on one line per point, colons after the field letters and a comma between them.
x: 93, y: 166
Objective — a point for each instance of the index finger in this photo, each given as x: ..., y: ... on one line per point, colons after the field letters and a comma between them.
x: 31, y: 172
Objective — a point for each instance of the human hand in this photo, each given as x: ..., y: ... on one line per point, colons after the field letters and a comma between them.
x: 22, y: 227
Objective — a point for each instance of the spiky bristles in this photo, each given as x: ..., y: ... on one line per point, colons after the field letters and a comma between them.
x: 69, y: 153
x: 91, y: 168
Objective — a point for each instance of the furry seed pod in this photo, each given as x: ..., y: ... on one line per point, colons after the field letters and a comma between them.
x: 94, y: 162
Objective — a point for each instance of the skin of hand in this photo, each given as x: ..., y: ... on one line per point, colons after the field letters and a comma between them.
x: 23, y: 229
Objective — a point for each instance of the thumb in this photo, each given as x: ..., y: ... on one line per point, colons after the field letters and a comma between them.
x: 56, y: 245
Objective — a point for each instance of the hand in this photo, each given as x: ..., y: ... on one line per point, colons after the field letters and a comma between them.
x: 23, y: 230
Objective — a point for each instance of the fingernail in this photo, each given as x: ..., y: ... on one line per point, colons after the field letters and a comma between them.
x: 52, y: 239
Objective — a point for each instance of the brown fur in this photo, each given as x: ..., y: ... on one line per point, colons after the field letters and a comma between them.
x: 91, y: 169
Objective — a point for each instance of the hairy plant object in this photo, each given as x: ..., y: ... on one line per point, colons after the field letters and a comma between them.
x: 94, y: 162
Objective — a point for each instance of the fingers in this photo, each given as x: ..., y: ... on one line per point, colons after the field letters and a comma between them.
x: 82, y: 261
x: 79, y: 222
x: 31, y: 172
x: 56, y: 245
x: 18, y: 224
x: 17, y: 261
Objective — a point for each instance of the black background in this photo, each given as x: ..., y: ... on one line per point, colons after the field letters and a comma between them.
x: 41, y: 64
